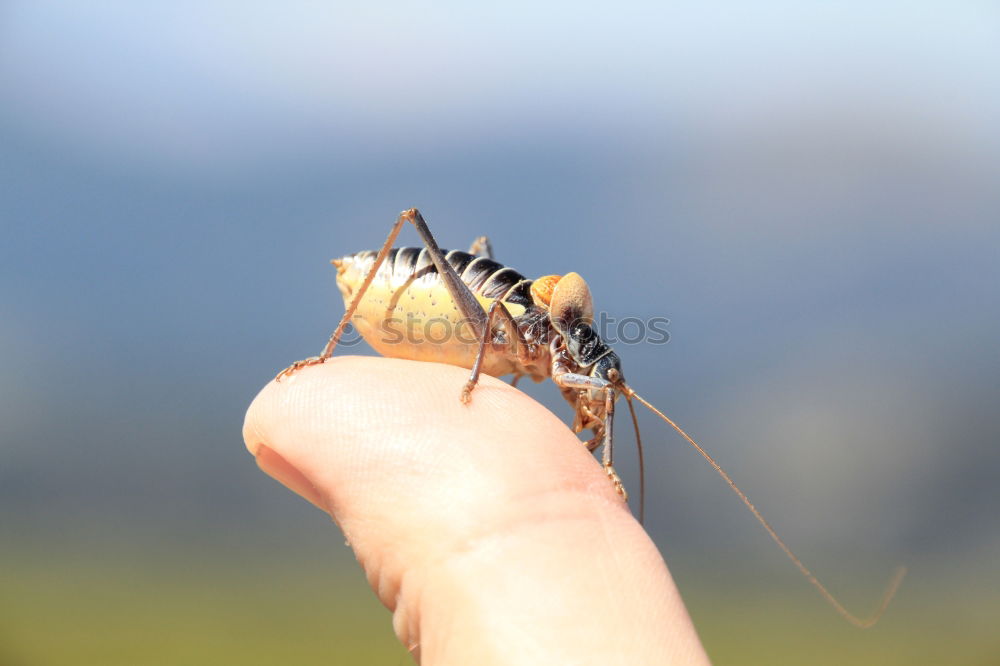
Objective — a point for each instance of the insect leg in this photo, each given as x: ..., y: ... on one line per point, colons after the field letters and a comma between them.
x: 517, y: 343
x: 607, y: 454
x: 458, y: 290
x: 573, y: 380
x: 482, y: 247
x: 335, y: 336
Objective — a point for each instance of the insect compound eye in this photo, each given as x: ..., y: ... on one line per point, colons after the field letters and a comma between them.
x: 582, y: 331
x: 571, y: 304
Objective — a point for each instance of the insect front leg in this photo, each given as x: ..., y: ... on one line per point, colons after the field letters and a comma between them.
x: 518, y: 345
x: 572, y: 380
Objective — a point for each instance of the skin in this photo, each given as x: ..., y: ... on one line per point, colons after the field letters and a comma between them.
x: 487, y: 528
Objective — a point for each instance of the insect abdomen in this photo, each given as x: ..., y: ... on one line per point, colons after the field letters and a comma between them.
x: 485, y: 277
x: 407, y: 311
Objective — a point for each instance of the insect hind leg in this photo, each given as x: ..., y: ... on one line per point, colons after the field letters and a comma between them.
x: 459, y: 291
x: 331, y: 344
x: 464, y: 299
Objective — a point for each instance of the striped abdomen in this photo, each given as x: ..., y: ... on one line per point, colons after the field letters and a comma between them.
x: 407, y: 311
x: 485, y: 277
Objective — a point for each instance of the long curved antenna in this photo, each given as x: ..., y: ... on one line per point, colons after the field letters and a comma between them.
x: 894, y: 580
x: 642, y: 462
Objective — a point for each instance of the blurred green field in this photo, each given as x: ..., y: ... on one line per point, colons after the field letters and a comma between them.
x: 921, y: 627
x: 221, y: 605
x: 59, y: 610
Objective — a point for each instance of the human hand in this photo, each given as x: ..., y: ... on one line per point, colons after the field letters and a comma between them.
x: 488, y: 529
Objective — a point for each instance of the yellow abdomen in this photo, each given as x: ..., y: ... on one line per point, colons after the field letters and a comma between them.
x: 408, y: 313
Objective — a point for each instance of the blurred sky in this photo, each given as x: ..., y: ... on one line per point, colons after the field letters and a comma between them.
x: 809, y: 191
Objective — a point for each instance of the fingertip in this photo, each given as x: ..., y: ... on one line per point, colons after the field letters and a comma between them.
x: 461, y: 512
x: 253, y: 438
x: 279, y: 469
x: 391, y: 438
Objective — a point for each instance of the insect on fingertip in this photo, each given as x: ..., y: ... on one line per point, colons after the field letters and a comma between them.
x: 542, y: 328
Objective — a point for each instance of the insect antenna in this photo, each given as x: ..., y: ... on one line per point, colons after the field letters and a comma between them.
x: 894, y: 580
x: 642, y: 463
